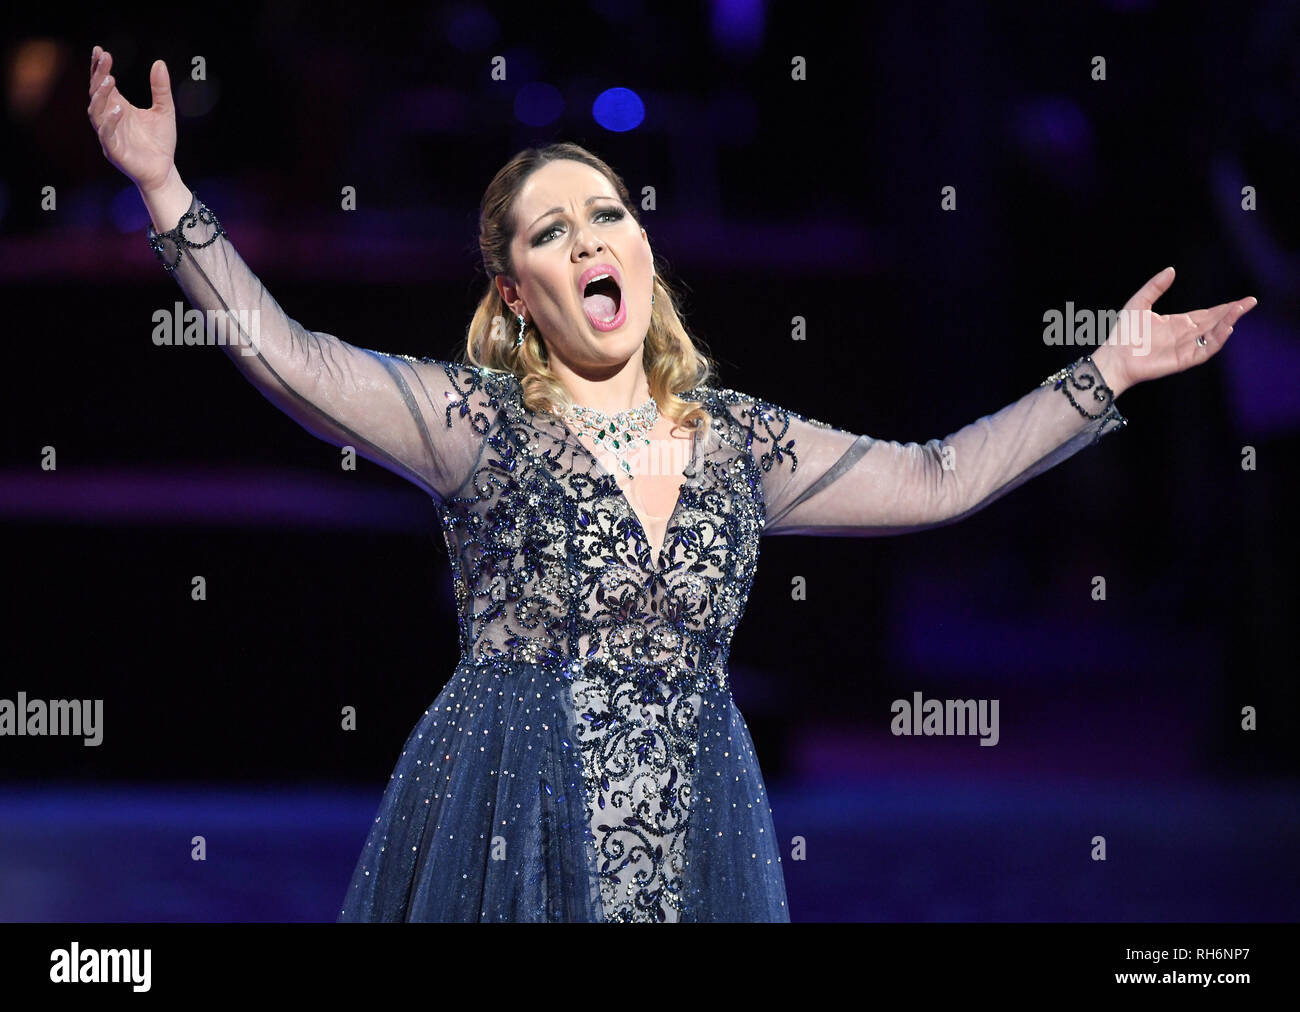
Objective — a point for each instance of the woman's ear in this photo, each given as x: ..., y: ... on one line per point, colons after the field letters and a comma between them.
x: 506, y: 289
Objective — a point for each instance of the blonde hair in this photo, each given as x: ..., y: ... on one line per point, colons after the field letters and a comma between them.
x: 673, y: 362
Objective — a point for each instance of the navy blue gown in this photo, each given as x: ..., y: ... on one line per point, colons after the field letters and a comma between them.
x: 586, y: 761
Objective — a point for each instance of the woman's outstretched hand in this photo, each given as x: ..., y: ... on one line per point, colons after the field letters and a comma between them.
x: 141, y: 143
x: 1145, y: 345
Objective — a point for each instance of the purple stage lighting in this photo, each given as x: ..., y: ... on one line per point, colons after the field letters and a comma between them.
x: 538, y: 104
x: 738, y: 24
x: 470, y: 28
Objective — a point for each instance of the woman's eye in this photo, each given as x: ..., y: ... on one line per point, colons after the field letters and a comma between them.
x: 615, y: 214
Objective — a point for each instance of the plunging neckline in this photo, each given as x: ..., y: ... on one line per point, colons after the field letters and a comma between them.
x: 656, y: 555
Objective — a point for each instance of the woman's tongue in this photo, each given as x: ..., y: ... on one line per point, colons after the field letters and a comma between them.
x: 600, y: 306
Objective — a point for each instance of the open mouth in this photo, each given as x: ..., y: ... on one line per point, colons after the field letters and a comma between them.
x: 602, y: 298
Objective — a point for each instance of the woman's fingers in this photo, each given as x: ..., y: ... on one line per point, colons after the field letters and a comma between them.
x: 104, y: 95
x: 106, y: 128
x: 101, y: 112
x: 100, y: 70
x: 1238, y: 309
x: 1219, y: 320
x: 1235, y: 309
x: 1152, y: 290
x: 160, y: 86
x: 1214, y: 326
x: 1200, y: 317
x: 99, y: 101
x: 1217, y: 334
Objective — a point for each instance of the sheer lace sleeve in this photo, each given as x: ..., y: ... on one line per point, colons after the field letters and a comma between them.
x: 818, y: 479
x: 423, y: 419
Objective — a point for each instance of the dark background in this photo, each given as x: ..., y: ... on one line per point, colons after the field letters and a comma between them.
x: 776, y: 198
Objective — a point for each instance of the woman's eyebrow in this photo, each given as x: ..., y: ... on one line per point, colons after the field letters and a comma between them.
x: 585, y: 203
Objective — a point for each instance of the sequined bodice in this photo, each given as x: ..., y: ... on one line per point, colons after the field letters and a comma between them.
x: 551, y: 562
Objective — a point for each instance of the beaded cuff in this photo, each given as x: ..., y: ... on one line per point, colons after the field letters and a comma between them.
x: 1081, y: 376
x: 170, y: 245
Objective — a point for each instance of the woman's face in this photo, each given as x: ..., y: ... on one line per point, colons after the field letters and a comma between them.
x: 563, y: 238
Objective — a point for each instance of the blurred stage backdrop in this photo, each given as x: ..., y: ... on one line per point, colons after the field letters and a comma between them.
x: 775, y: 198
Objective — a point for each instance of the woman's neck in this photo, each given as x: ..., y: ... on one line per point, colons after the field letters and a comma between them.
x: 613, y: 395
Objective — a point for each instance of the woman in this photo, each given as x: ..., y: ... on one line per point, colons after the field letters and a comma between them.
x: 586, y: 762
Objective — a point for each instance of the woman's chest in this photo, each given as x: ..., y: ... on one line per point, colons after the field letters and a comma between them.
x: 540, y: 507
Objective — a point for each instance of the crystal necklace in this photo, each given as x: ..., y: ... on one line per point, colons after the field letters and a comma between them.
x: 618, y: 432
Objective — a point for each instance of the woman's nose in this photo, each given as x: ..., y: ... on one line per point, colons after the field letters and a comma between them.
x: 582, y: 242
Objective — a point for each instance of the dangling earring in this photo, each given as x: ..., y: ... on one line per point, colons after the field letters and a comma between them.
x: 519, y: 341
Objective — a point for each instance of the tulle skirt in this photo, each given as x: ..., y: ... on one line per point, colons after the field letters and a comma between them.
x: 486, y: 815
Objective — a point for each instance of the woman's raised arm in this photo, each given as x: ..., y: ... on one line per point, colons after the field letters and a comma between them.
x: 423, y: 419
x: 821, y: 480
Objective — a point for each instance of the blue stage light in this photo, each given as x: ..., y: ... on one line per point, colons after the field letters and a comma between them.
x: 618, y: 109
